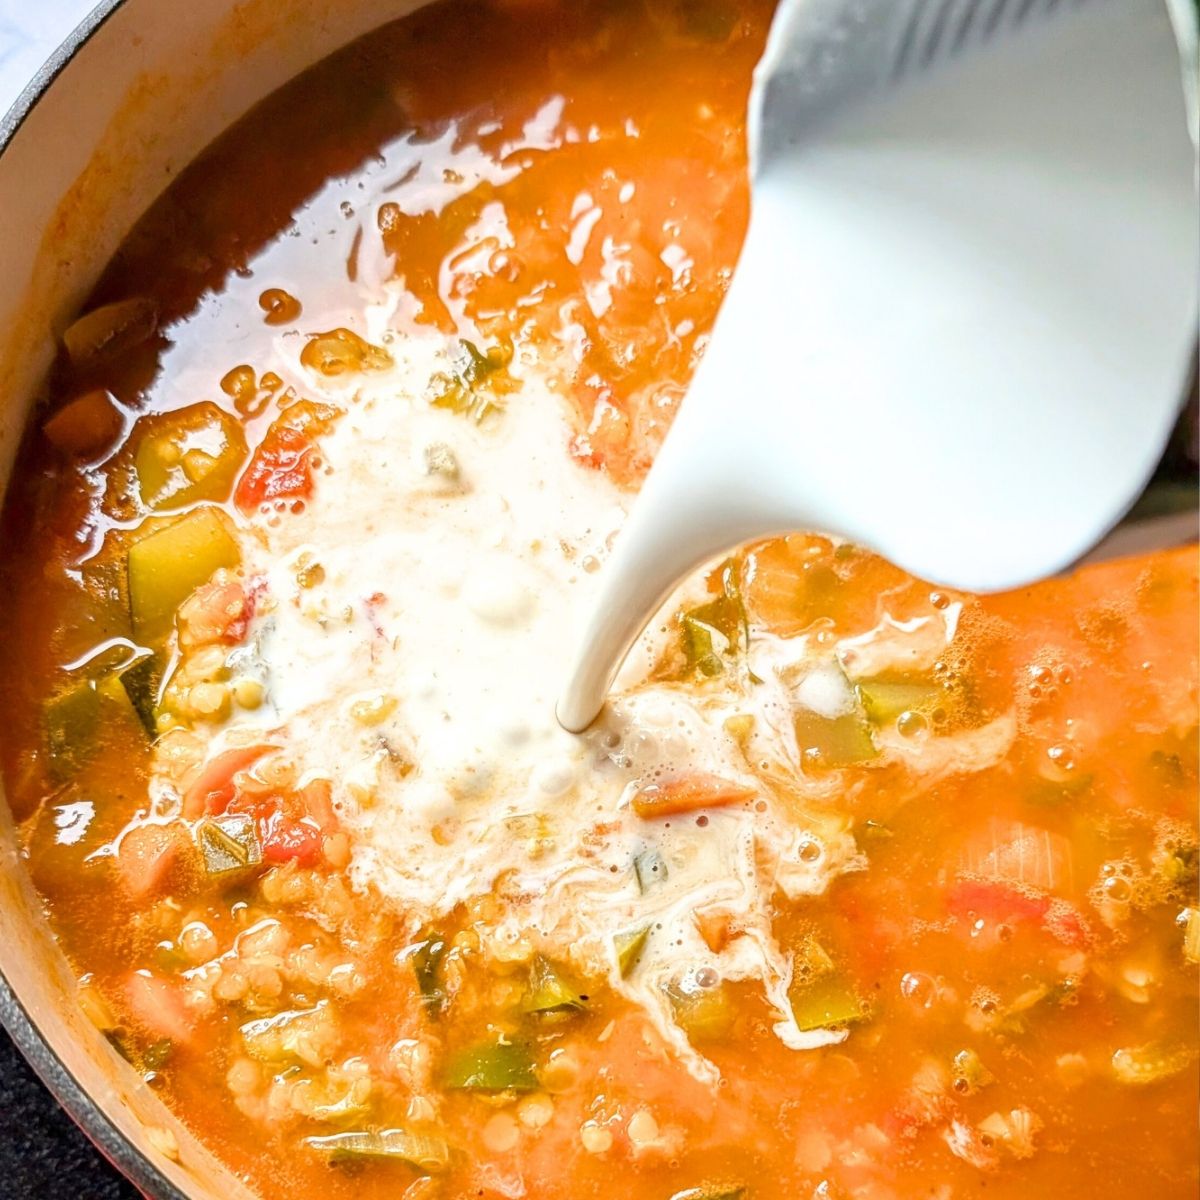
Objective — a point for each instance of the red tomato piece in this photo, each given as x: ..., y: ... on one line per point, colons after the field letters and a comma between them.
x: 212, y: 790
x: 216, y: 612
x: 293, y: 828
x: 997, y: 902
x: 280, y: 469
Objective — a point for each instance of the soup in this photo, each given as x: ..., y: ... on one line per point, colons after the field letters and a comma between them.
x: 858, y: 888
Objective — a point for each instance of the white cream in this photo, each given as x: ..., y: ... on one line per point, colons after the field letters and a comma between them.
x: 454, y: 562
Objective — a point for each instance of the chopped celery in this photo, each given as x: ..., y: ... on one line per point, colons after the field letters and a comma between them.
x: 883, y: 700
x: 834, y: 741
x: 650, y: 868
x: 703, y: 1012
x: 548, y: 991
x: 426, y: 957
x: 1140, y: 1065
x: 629, y: 946
x: 170, y: 561
x: 1190, y: 919
x: 828, y: 1001
x: 493, y: 1066
x: 722, y: 1191
x: 228, y: 843
x: 188, y: 455
x: 424, y: 1151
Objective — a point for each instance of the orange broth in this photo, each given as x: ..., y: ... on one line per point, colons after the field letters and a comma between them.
x: 1015, y: 961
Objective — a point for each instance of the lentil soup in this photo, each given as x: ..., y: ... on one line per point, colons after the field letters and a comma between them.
x: 858, y: 888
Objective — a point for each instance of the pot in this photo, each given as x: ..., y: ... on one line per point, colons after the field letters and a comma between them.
x: 136, y: 92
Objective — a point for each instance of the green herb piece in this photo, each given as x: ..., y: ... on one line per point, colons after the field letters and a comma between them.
x: 828, y: 1001
x: 650, y: 868
x: 423, y: 1151
x: 1141, y: 1065
x: 493, y: 1066
x: 426, y: 958
x: 629, y: 946
x: 228, y: 843
x: 548, y: 991
x: 461, y: 391
x: 168, y: 563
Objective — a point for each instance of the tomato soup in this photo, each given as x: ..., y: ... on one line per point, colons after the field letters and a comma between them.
x: 858, y: 888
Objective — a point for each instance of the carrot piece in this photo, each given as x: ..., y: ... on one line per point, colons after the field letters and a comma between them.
x: 158, y: 1005
x: 688, y: 793
x: 145, y: 854
x: 212, y: 790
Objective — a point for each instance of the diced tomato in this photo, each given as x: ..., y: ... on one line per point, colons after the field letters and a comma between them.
x: 212, y: 790
x: 145, y: 855
x: 216, y: 612
x: 280, y: 469
x: 293, y: 828
x: 158, y: 1005
x: 1001, y: 903
x: 688, y: 793
x: 998, y: 902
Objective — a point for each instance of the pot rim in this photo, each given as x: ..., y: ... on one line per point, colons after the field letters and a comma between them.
x: 22, y: 1027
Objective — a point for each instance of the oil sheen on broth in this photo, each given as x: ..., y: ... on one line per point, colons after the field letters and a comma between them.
x: 857, y: 889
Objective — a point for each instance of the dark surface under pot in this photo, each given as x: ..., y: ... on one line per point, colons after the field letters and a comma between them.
x: 43, y: 1153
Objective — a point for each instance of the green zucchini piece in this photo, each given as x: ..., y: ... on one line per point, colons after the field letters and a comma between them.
x: 426, y: 958
x: 883, y: 701
x: 170, y: 561
x: 423, y: 1151
x: 548, y: 991
x: 629, y: 946
x: 459, y: 391
x: 828, y: 1001
x: 703, y: 1013
x: 834, y: 741
x: 74, y: 721
x: 650, y: 868
x: 717, y: 628
x: 188, y: 455
x: 493, y: 1066
x: 1141, y: 1065
x: 228, y: 843
x: 142, y: 681
x: 70, y: 725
